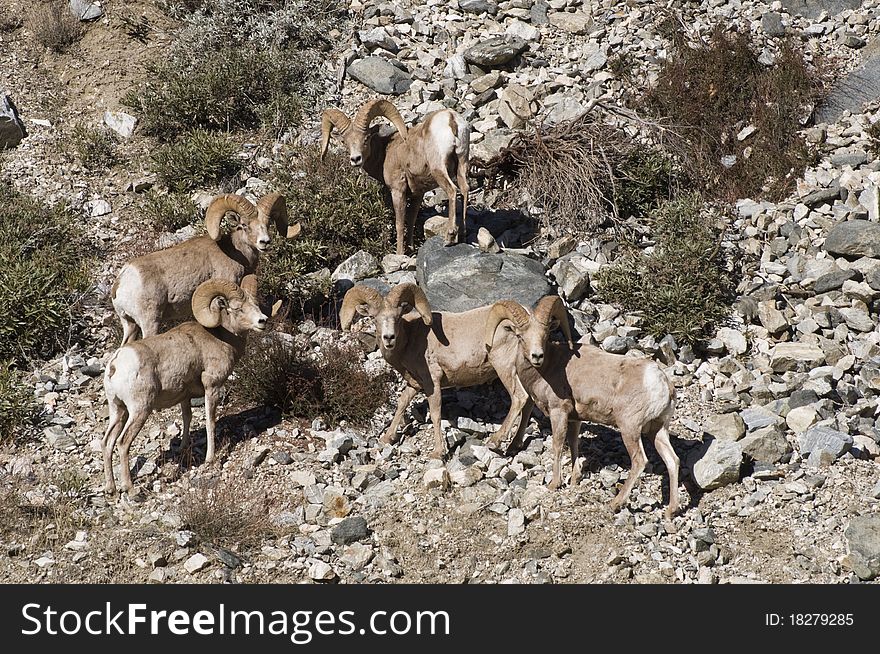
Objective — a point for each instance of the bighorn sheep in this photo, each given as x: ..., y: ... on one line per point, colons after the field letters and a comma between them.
x: 581, y: 382
x: 431, y: 350
x: 159, y: 286
x: 190, y: 360
x: 408, y: 162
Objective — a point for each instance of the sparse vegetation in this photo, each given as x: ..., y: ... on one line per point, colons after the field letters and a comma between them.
x: 96, y: 147
x: 341, y: 211
x: 737, y: 118
x: 684, y: 287
x: 874, y: 134
x: 42, y: 272
x: 197, y: 158
x: 170, y: 211
x: 237, y: 63
x: 230, y: 513
x: 53, y: 26
x: 17, y: 407
x: 9, y: 22
x: 288, y: 374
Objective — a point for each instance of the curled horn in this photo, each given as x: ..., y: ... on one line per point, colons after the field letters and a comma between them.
x: 357, y: 295
x: 275, y: 206
x: 549, y: 307
x: 412, y: 295
x: 504, y: 310
x: 374, y: 109
x: 330, y: 119
x: 203, y: 306
x: 223, y: 203
x: 249, y: 286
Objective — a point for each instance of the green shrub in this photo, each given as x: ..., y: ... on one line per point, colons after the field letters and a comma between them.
x: 18, y: 409
x: 238, y: 63
x: 874, y: 136
x: 646, y: 177
x: 42, y: 273
x: 289, y: 376
x: 170, y: 211
x: 198, y: 158
x: 95, y: 147
x: 53, y: 26
x: 711, y: 92
x: 341, y: 211
x: 684, y: 287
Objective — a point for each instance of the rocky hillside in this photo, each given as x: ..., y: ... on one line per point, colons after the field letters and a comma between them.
x: 776, y: 422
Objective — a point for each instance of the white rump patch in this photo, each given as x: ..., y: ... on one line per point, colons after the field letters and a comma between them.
x: 442, y: 135
x: 656, y: 391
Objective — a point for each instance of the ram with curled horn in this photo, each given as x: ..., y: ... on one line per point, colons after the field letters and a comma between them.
x: 431, y: 350
x: 157, y: 287
x: 576, y: 382
x: 191, y: 360
x: 408, y: 162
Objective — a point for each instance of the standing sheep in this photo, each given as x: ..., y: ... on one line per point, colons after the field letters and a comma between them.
x: 571, y: 384
x: 409, y: 162
x: 158, y: 286
x: 191, y: 360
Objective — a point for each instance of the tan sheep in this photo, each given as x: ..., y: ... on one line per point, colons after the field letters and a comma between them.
x: 190, y: 360
x: 159, y: 286
x: 571, y: 384
x: 432, y: 350
x: 409, y: 162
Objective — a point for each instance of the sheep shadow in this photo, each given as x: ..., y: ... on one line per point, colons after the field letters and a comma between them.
x: 230, y: 430
x: 602, y: 446
x: 511, y: 228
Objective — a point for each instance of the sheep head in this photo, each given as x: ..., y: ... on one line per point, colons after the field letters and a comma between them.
x: 357, y: 134
x: 253, y: 221
x: 387, y: 312
x: 221, y: 303
x: 530, y: 330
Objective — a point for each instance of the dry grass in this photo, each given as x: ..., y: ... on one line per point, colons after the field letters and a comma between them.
x: 713, y: 90
x: 96, y: 147
x: 232, y: 512
x: 289, y: 376
x: 53, y: 26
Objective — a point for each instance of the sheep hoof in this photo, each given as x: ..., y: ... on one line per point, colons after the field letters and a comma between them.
x: 553, y: 485
x: 438, y: 453
x: 616, y: 505
x: 451, y: 238
x: 109, y: 490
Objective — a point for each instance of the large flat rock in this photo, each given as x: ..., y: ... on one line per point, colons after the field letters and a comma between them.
x: 460, y: 277
x: 852, y: 91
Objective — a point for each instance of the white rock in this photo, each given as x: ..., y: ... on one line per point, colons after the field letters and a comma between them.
x: 195, y: 563
x: 120, y: 122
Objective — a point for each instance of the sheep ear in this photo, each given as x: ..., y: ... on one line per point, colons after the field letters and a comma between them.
x: 554, y: 325
x: 294, y: 230
x: 219, y: 303
x: 363, y: 309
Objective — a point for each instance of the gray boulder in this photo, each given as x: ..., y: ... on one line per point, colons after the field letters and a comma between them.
x: 853, y: 90
x: 823, y: 445
x: 854, y: 238
x: 767, y: 445
x: 478, y: 6
x: 460, y: 277
x: 496, y: 51
x: 812, y: 8
x: 84, y: 10
x: 11, y: 128
x: 380, y: 75
x: 719, y: 466
x: 863, y: 540
x: 358, y: 266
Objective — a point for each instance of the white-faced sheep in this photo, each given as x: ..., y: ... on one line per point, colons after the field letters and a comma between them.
x: 409, y: 162
x: 159, y: 286
x: 574, y: 384
x: 191, y: 360
x: 431, y: 350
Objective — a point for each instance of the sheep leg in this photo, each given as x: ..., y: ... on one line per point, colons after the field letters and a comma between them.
x: 150, y: 326
x: 448, y: 187
x: 559, y: 426
x: 211, y: 400
x: 632, y: 439
x: 186, y: 415
x: 463, y: 187
x: 390, y: 436
x: 667, y: 453
x: 525, y: 414
x: 435, y: 402
x: 398, y: 200
x: 132, y: 429
x: 412, y: 212
x: 519, y: 398
x: 573, y: 435
x: 118, y: 418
